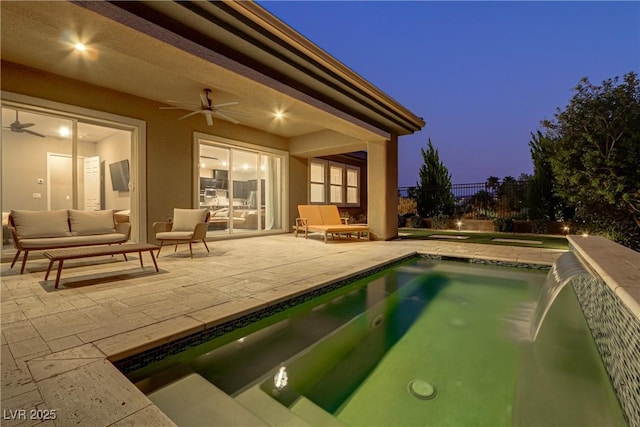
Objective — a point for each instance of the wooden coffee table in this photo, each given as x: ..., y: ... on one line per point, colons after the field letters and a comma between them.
x: 61, y: 255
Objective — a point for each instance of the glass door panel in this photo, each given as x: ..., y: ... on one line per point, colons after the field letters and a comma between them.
x: 213, y: 170
x: 244, y: 190
x: 271, y: 193
x: 36, y: 159
x: 242, y: 187
x: 51, y: 162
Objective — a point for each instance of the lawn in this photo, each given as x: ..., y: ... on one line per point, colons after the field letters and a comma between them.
x: 512, y: 239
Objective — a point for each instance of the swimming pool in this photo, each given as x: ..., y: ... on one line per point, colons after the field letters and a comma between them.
x: 423, y: 343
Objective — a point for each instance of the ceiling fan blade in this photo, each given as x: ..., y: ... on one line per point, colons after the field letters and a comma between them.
x: 33, y: 133
x: 225, y: 117
x: 186, y: 104
x: 193, y: 113
x: 240, y: 113
x: 209, y: 157
x: 226, y: 104
x: 26, y: 125
x: 207, y: 114
x: 176, y: 108
x: 206, y: 102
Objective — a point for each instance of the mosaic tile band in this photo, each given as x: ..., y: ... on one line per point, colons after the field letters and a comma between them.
x: 616, y: 332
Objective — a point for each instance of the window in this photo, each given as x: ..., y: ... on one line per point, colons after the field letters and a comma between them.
x: 337, y: 183
x: 317, y: 179
x: 353, y: 185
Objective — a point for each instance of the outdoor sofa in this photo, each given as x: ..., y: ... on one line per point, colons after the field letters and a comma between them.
x: 326, y: 219
x: 43, y: 230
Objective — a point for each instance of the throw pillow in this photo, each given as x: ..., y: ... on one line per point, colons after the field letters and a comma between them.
x: 186, y: 219
x: 36, y: 224
x: 85, y: 223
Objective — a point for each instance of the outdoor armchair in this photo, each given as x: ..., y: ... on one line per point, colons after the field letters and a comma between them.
x: 187, y: 226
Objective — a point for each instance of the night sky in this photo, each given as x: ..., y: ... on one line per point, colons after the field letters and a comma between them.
x: 482, y: 74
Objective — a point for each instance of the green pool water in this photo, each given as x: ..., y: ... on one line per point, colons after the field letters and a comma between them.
x: 364, y: 353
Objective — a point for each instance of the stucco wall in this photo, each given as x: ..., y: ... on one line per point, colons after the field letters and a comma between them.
x: 169, y: 165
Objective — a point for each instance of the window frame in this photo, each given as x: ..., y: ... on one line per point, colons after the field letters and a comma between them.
x: 328, y: 185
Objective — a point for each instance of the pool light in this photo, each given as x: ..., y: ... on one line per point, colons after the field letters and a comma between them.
x: 280, y: 379
x: 422, y: 390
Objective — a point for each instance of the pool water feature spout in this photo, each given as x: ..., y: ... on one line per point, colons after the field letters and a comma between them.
x: 566, y: 267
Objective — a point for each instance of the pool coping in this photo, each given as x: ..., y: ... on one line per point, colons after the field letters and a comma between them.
x: 617, y: 265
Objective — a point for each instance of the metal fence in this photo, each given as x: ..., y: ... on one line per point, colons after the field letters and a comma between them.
x: 506, y: 199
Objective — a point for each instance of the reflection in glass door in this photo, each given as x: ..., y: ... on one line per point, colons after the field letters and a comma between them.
x: 244, y: 185
x: 271, y: 194
x: 51, y: 162
x: 250, y: 197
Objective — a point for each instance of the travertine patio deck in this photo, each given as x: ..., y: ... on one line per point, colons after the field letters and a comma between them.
x: 56, y: 344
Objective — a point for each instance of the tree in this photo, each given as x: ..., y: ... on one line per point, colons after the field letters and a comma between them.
x: 543, y: 200
x: 433, y: 191
x: 595, y: 148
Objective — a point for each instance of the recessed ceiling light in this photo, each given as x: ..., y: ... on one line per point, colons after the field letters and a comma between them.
x: 279, y: 115
x: 80, y: 47
x: 64, y: 131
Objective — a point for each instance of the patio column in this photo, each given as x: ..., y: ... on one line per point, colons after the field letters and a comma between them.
x: 382, y: 185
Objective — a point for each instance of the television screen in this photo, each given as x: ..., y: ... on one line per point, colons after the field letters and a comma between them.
x: 120, y: 175
x: 221, y: 174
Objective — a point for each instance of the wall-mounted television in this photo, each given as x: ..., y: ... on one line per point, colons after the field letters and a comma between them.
x: 220, y: 174
x: 120, y: 175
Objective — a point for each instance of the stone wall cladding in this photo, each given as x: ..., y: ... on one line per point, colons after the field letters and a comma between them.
x: 616, y: 332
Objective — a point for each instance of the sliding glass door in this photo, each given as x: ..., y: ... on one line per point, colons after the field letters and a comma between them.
x: 242, y: 186
x: 52, y: 161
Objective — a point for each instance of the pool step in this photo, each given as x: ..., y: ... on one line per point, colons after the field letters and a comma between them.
x: 269, y: 409
x: 194, y: 401
x: 314, y: 414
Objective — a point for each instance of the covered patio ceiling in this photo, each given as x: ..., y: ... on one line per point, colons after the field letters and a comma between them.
x: 173, y: 50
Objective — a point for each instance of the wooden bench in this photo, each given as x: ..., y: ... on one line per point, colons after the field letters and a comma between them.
x: 61, y: 255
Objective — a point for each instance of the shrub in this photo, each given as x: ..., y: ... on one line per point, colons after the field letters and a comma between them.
x: 503, y: 225
x: 618, y: 226
x: 540, y: 226
x: 440, y: 222
x: 406, y: 206
x: 417, y: 222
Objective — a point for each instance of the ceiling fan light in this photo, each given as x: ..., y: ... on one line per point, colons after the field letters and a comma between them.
x: 64, y: 131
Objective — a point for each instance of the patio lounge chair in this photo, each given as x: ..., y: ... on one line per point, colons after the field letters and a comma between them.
x: 326, y: 219
x: 188, y: 226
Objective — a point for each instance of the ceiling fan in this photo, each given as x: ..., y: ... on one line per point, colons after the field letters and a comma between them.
x: 22, y: 127
x: 207, y: 108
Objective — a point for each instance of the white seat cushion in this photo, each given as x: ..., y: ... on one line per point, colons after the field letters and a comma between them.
x: 174, y: 235
x: 187, y: 219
